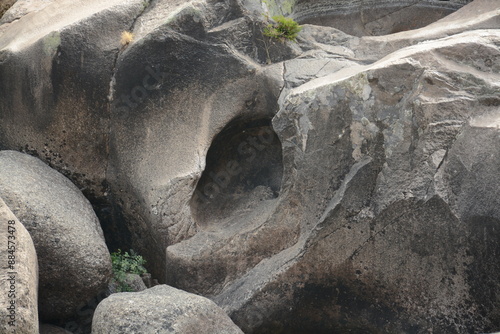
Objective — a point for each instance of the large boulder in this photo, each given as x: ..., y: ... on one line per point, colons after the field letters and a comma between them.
x: 74, y: 261
x: 161, y: 309
x: 18, y: 277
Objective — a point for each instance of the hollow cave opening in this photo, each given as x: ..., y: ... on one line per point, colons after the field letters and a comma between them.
x: 374, y: 18
x: 244, y: 168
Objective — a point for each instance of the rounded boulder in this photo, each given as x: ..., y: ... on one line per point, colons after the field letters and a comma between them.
x: 74, y: 262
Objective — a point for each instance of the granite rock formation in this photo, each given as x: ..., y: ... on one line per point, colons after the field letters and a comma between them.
x: 51, y: 329
x: 345, y: 182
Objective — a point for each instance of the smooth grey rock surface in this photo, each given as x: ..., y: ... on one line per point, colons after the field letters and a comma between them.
x: 59, y: 107
x: 74, y: 262
x: 161, y: 309
x: 18, y: 276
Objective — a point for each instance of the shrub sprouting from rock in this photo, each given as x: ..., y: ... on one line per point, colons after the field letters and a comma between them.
x: 284, y: 28
x: 123, y: 264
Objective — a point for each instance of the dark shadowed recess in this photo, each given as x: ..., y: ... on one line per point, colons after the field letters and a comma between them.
x: 113, y: 223
x: 482, y: 274
x: 336, y: 307
x: 244, y: 167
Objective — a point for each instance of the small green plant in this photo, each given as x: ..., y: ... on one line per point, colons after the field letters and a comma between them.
x: 283, y: 29
x: 125, y: 263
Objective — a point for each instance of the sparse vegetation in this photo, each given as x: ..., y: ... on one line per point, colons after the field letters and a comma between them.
x: 283, y: 29
x: 126, y: 38
x: 125, y: 263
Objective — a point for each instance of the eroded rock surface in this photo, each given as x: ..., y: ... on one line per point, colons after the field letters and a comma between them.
x: 346, y: 182
x: 392, y: 231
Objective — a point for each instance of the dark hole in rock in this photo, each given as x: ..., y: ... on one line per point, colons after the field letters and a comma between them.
x: 244, y: 167
x: 374, y: 18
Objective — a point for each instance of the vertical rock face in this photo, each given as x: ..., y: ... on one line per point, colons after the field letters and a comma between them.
x: 348, y: 182
x: 75, y: 264
x: 18, y: 277
x: 57, y: 60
